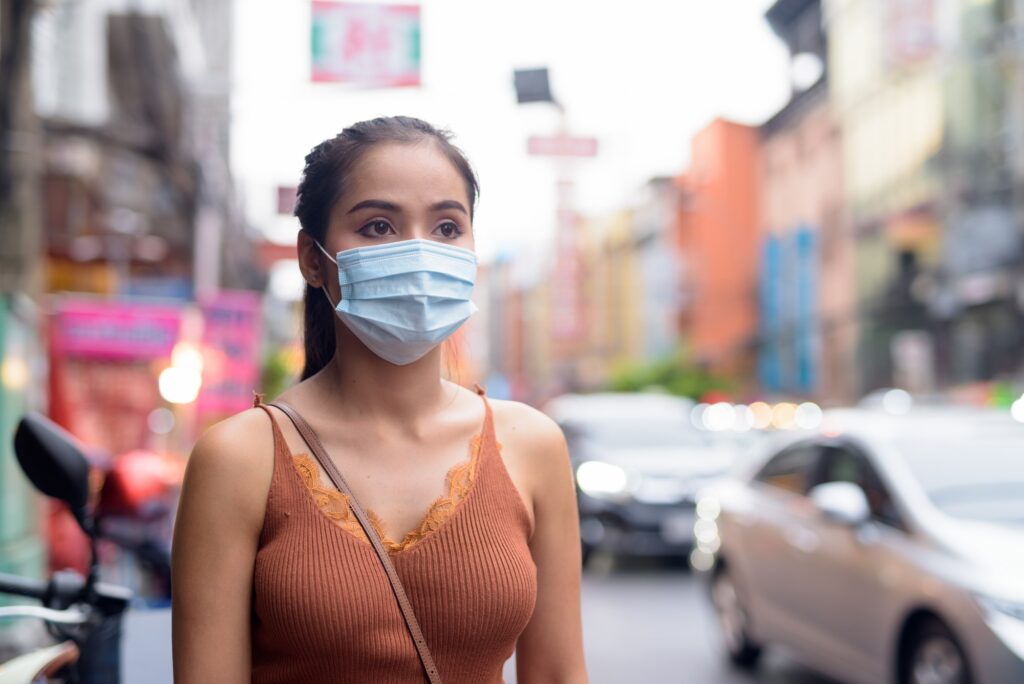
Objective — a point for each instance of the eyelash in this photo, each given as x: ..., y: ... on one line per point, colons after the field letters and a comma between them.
x: 367, y: 229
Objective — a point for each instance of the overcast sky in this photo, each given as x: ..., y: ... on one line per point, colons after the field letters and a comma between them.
x: 641, y: 76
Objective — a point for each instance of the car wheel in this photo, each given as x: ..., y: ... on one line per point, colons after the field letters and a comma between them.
x: 935, y: 657
x: 733, y: 620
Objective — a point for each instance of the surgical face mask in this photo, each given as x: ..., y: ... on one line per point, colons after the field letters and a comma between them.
x: 402, y: 299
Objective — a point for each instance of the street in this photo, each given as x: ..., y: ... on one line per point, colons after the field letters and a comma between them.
x: 642, y: 623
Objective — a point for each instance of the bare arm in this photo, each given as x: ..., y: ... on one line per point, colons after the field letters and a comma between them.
x: 216, y: 532
x: 551, y: 647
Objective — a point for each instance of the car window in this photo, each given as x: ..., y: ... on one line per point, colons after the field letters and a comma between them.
x: 791, y: 469
x: 844, y: 464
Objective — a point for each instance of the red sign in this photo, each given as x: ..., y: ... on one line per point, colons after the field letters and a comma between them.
x: 366, y: 44
x: 112, y: 329
x: 561, y: 146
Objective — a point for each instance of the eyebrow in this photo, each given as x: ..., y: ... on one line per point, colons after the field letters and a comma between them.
x: 391, y: 206
x: 375, y: 204
x: 449, y: 204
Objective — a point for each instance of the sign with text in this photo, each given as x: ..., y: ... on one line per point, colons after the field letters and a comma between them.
x: 561, y: 146
x: 115, y: 329
x: 366, y: 44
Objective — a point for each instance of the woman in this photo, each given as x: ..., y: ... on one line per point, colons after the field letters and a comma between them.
x: 274, y: 579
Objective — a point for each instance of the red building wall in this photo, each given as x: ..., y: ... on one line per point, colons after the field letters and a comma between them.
x: 717, y: 238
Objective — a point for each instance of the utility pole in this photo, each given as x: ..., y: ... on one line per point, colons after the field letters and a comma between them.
x: 20, y: 152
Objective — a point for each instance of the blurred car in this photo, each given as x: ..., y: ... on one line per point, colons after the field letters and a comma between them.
x: 878, y: 548
x: 639, y: 464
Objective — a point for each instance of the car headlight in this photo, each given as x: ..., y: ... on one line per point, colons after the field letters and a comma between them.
x: 1009, y: 608
x: 599, y: 479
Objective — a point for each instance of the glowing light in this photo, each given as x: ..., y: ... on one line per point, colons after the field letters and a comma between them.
x: 701, y: 561
x: 897, y: 402
x: 808, y: 415
x: 784, y: 416
x: 697, y: 416
x: 708, y: 508
x: 597, y: 478
x: 719, y: 417
x: 705, y: 530
x: 180, y: 385
x: 744, y: 421
x: 187, y: 356
x: 160, y: 421
x: 709, y: 546
x: 762, y: 415
x: 14, y: 373
x: 1017, y: 410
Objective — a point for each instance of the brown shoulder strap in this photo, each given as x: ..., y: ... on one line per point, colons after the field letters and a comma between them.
x: 396, y: 584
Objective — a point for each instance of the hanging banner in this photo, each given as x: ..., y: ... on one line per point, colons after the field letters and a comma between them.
x: 363, y: 44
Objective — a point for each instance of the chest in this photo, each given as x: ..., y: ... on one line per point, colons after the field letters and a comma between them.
x: 472, y: 583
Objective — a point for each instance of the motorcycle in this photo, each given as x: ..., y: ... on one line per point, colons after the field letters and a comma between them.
x: 83, y: 614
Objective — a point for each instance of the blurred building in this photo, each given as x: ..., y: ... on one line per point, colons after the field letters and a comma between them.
x: 125, y: 215
x: 929, y: 114
x: 654, y: 217
x: 137, y: 194
x: 717, y: 238
x: 807, y: 316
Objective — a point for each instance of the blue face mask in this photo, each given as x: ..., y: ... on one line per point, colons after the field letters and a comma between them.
x: 402, y: 299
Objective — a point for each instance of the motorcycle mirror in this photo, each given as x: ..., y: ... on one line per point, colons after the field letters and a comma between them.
x: 54, y: 464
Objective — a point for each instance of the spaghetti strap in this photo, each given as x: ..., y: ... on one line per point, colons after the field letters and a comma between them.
x: 280, y: 443
x: 488, y: 437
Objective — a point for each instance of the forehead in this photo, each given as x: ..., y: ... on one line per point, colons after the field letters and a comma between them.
x: 406, y: 174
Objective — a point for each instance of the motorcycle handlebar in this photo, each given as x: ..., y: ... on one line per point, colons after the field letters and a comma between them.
x: 22, y: 586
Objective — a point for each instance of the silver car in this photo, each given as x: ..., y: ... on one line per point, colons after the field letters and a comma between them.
x: 879, y: 548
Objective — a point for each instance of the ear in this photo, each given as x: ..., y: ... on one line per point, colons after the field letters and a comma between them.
x: 312, y: 262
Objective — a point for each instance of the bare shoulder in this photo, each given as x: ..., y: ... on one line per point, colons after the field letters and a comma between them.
x: 531, y: 439
x: 234, y: 461
x: 526, y: 426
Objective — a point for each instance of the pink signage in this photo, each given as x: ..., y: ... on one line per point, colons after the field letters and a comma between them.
x: 376, y: 45
x: 112, y: 329
x: 231, y: 351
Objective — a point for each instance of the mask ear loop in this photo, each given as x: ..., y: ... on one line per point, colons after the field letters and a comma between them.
x: 323, y: 287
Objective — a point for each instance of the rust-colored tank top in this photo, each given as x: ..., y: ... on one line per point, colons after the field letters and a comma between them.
x: 323, y: 610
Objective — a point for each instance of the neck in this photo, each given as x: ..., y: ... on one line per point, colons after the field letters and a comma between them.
x: 367, y: 385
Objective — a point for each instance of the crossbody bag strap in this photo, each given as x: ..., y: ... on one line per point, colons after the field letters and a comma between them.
x: 371, y: 533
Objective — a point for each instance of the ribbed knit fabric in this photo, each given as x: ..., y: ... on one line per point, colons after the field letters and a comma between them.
x: 323, y: 610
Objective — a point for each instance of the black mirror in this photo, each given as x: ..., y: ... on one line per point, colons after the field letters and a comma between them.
x: 54, y: 464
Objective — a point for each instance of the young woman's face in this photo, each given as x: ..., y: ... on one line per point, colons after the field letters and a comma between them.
x: 401, y: 192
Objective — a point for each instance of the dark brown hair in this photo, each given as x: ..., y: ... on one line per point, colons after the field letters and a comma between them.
x: 323, y: 182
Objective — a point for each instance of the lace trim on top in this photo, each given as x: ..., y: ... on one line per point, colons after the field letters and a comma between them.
x: 335, y: 505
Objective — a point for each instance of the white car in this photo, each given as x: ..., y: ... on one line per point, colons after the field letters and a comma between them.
x: 878, y: 548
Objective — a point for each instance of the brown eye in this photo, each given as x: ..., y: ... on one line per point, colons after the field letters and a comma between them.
x: 449, y: 230
x: 376, y: 229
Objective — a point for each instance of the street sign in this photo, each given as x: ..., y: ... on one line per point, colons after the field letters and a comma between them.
x: 532, y: 85
x: 561, y: 146
x: 366, y: 44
